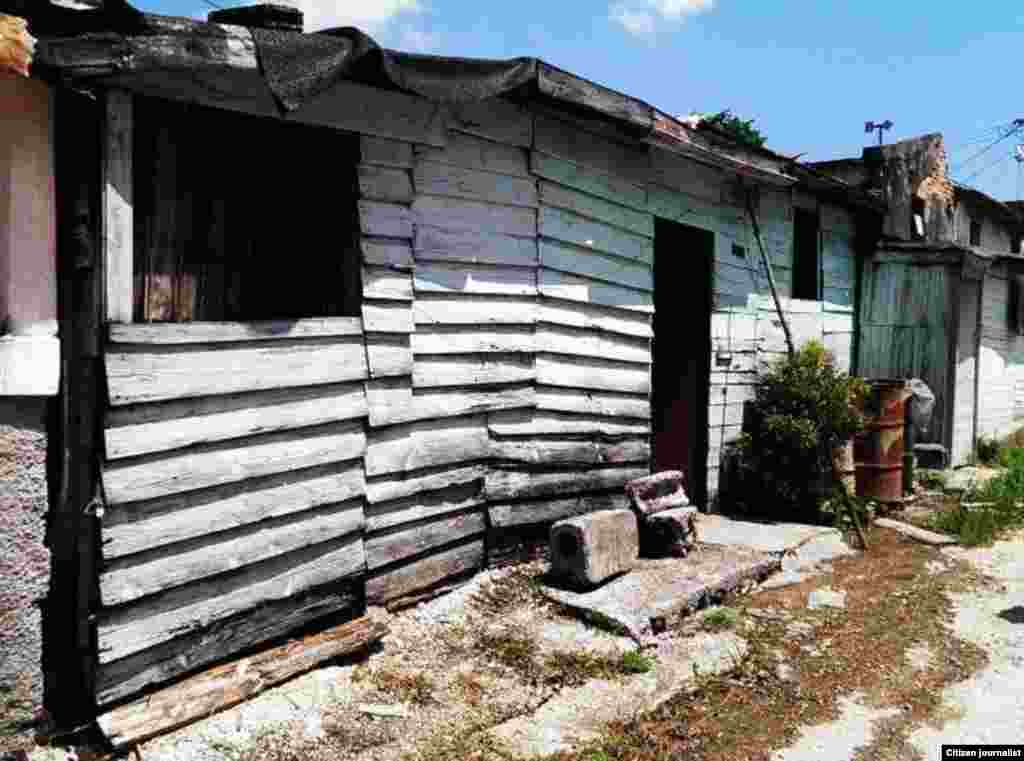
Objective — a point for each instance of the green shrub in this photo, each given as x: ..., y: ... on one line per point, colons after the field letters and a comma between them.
x: 996, y: 506
x: 988, y: 451
x: 803, y: 408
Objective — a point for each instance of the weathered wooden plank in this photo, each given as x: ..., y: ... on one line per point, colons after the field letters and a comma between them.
x: 233, y: 332
x: 424, y: 572
x: 590, y: 402
x: 185, y: 610
x: 475, y: 215
x: 511, y: 515
x: 426, y: 444
x: 385, y: 219
x: 271, y: 620
x: 164, y: 426
x: 387, y: 317
x: 594, y: 317
x: 141, y: 526
x: 590, y: 373
x: 595, y: 266
x: 496, y: 119
x: 383, y: 152
x: 468, y: 309
x: 432, y: 178
x: 586, y: 179
x: 686, y: 175
x: 385, y: 283
x: 459, y: 339
x: 564, y: 86
x: 475, y: 278
x: 225, y: 462
x: 402, y: 486
x: 156, y: 373
x: 471, y: 152
x: 393, y: 401
x: 355, y: 107
x: 571, y: 228
x: 233, y: 683
x: 471, y: 369
x: 521, y: 484
x: 559, y: 339
x: 387, y: 252
x: 420, y: 507
x: 562, y: 285
x: 592, y: 207
x: 471, y: 247
x: 396, y: 546
x: 540, y: 423
x: 171, y: 566
x: 118, y: 197
x: 570, y: 143
x: 385, y: 184
x: 388, y: 355
x: 536, y: 451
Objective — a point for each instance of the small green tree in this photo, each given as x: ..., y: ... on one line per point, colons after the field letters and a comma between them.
x: 804, y: 407
x: 742, y: 130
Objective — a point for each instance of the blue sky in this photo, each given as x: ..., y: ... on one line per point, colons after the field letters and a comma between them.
x: 811, y: 72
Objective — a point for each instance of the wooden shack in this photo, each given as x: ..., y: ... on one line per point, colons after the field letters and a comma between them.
x: 350, y: 353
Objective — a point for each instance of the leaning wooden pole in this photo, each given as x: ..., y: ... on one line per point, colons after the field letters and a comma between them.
x: 768, y: 269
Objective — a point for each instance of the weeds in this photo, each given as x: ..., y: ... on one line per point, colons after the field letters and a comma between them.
x: 417, y: 688
x: 931, y: 480
x: 635, y: 662
x: 719, y: 619
x: 993, y: 508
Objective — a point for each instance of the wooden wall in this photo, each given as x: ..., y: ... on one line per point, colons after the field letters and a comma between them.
x: 1001, y: 362
x: 965, y: 393
x: 262, y: 475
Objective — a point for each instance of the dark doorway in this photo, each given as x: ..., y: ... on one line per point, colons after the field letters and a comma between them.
x: 683, y: 257
x: 805, y: 255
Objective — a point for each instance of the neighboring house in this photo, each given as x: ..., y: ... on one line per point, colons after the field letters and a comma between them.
x: 341, y: 326
x: 941, y: 296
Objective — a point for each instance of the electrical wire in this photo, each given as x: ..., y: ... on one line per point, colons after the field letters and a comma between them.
x: 213, y: 5
x: 1013, y: 130
x: 985, y: 168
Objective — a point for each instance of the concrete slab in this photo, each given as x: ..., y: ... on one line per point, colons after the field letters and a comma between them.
x: 662, y: 588
x: 774, y: 538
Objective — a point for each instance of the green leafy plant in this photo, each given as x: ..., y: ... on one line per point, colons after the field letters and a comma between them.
x: 804, y: 407
x: 742, y: 130
x: 720, y: 618
x: 635, y: 662
x: 988, y: 450
x: 985, y: 511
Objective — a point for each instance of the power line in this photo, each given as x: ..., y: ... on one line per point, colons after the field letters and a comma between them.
x: 986, y: 168
x: 1010, y: 132
x: 213, y: 5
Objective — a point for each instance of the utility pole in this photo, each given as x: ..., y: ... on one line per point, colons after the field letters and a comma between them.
x: 880, y: 126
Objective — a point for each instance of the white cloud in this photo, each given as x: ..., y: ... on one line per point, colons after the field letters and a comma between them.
x: 643, y: 17
x: 368, y: 15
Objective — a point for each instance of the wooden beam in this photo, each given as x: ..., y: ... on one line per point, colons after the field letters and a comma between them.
x: 118, y: 221
x: 225, y: 686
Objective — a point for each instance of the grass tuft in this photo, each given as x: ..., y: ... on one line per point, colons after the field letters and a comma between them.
x: 720, y: 619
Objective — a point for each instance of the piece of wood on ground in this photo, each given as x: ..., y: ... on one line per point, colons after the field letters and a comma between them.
x: 228, y: 685
x: 920, y: 534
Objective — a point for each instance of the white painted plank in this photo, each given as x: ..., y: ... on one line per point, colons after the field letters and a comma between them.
x: 570, y: 143
x: 590, y: 373
x: 118, y: 198
x: 558, y: 339
x: 383, y: 152
x: 388, y: 317
x: 590, y: 264
x: 542, y: 423
x: 172, y: 566
x: 472, y: 247
x: 164, y: 426
x: 426, y: 444
x: 477, y: 278
x: 586, y: 179
x: 385, y: 283
x: 431, y: 178
x: 460, y: 339
x: 562, y: 197
x: 683, y: 174
x: 141, y: 526
x: 472, y: 369
x: 571, y: 228
x: 474, y: 215
x: 465, y: 309
x: 213, y: 465
x: 385, y: 219
x: 590, y: 402
x: 401, y: 486
x: 388, y: 355
x: 472, y: 152
x: 231, y: 332
x: 385, y: 184
x: 191, y: 608
x: 562, y: 285
x: 159, y: 373
x: 591, y: 317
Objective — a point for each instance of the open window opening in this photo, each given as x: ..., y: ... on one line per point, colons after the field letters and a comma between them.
x: 917, y: 219
x: 806, y: 266
x: 242, y: 219
x: 975, y: 232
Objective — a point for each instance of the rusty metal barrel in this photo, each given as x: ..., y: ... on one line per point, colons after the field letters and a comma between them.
x: 878, y: 452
